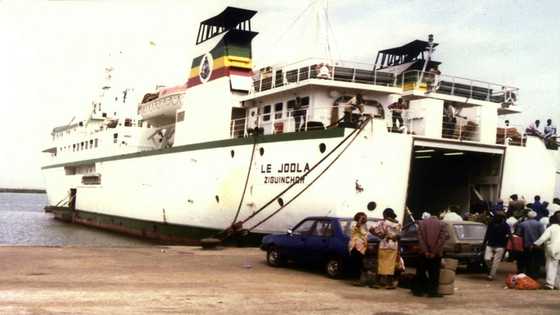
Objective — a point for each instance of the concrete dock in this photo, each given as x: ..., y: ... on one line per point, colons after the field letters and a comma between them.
x: 184, y: 280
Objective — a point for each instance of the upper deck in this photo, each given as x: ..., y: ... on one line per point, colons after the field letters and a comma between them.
x: 347, y: 74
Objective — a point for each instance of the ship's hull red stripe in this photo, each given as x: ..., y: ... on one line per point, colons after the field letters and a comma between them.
x: 218, y: 73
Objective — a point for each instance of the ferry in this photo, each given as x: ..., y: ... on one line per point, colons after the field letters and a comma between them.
x: 257, y: 149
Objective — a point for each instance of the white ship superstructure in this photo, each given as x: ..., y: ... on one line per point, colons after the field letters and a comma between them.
x: 277, y: 144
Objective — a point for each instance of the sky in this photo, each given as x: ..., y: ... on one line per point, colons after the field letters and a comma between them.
x: 53, y: 52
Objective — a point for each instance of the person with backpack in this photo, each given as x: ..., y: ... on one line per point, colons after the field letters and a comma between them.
x: 496, y: 238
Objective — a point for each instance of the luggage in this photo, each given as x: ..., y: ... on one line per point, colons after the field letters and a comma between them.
x: 446, y: 289
x: 521, y: 282
x: 515, y: 244
x: 446, y: 277
x: 450, y: 264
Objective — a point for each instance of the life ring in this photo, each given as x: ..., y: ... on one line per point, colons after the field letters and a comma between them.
x: 323, y: 71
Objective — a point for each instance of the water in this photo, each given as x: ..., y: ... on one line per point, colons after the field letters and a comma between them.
x: 24, y: 222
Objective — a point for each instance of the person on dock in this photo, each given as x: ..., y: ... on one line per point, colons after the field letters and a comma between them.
x: 551, y: 239
x: 357, y: 246
x: 432, y: 234
x: 496, y: 237
x: 530, y: 230
x: 388, y: 230
x: 452, y: 214
x: 516, y: 206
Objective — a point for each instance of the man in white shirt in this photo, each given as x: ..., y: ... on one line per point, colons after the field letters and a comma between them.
x: 551, y: 239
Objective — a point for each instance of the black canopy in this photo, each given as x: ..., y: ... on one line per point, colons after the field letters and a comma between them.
x: 414, y: 48
x: 230, y: 17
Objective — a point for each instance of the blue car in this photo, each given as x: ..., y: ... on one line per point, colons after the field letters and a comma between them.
x: 320, y: 240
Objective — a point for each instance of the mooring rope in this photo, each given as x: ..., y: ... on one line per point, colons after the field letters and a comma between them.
x: 315, y: 179
x: 246, y: 178
x: 238, y: 225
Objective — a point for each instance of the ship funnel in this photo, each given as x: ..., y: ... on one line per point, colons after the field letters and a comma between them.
x: 223, y: 49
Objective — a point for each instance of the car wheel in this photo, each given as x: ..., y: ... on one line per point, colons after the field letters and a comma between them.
x: 273, y: 257
x: 333, y: 267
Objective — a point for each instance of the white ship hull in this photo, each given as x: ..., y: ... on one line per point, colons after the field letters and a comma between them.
x: 202, y: 187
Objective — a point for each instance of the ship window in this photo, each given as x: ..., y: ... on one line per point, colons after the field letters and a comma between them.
x: 115, y: 137
x: 304, y: 101
x: 86, y: 145
x: 81, y: 146
x: 291, y: 105
x: 74, y: 147
x: 180, y: 116
x: 278, y: 110
x: 95, y: 142
x: 91, y: 143
x: 266, y: 113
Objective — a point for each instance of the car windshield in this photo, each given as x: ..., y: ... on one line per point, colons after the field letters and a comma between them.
x: 346, y: 225
x: 470, y: 231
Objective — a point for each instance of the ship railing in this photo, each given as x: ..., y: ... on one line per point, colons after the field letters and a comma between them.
x: 304, y: 119
x: 511, y: 135
x: 319, y: 68
x: 432, y: 82
x: 515, y: 134
x: 460, y: 128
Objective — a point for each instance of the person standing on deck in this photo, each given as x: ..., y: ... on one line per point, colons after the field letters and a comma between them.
x: 449, y: 121
x: 432, y: 234
x: 300, y: 114
x: 397, y: 109
x: 533, y: 129
x: 496, y: 237
x: 549, y: 129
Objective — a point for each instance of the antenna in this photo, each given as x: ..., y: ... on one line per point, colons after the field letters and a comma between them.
x: 430, y: 50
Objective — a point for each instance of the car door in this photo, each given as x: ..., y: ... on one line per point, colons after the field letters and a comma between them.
x: 317, y: 244
x: 297, y: 248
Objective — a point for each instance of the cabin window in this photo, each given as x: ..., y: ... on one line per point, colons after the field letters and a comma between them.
x: 82, y: 146
x: 291, y: 105
x: 180, y: 116
x: 304, y: 101
x: 74, y: 147
x: 95, y: 142
x: 278, y: 110
x: 91, y: 144
x: 86, y: 145
x: 115, y: 137
x: 266, y: 113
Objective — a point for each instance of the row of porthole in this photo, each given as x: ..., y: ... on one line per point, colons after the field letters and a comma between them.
x: 322, y: 149
x: 370, y: 206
